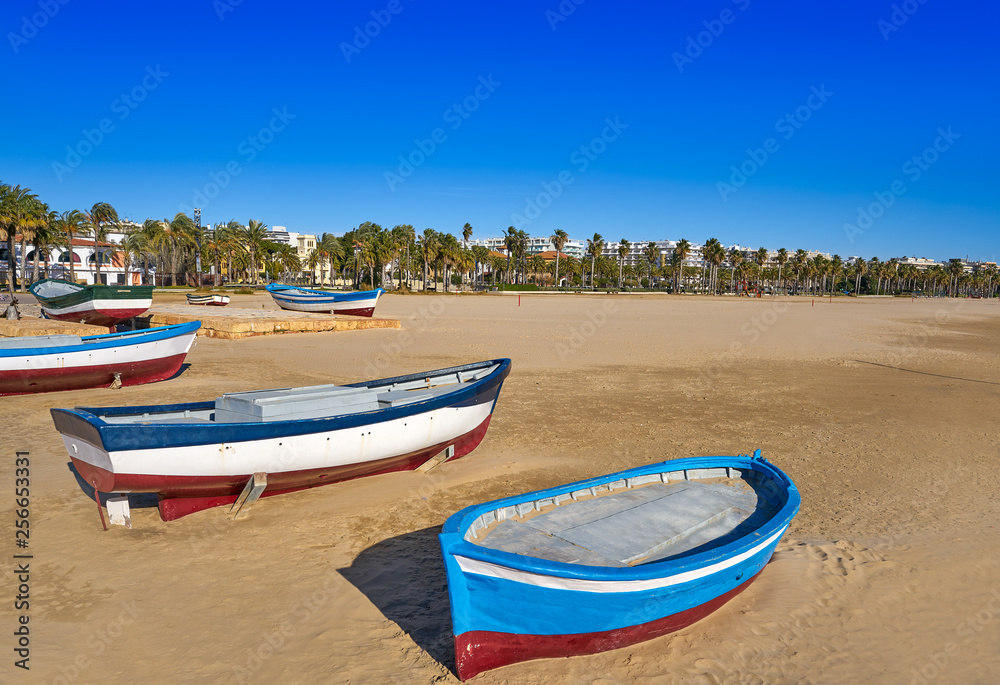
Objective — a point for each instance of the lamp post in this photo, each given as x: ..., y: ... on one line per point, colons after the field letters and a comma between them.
x: 197, y: 254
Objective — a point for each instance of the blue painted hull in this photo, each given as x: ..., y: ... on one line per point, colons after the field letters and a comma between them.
x: 510, y: 607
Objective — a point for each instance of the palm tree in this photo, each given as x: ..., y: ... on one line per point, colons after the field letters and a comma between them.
x: 681, y: 251
x: 735, y: 259
x: 427, y: 246
x: 624, y: 247
x: 466, y: 233
x: 836, y: 267
x: 594, y: 247
x: 652, y: 254
x: 251, y: 239
x: 19, y: 213
x: 760, y: 258
x: 72, y: 222
x: 714, y: 254
x: 46, y: 237
x: 782, y: 259
x: 558, y: 240
x: 102, y: 219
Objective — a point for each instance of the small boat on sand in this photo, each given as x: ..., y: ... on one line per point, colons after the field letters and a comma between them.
x: 45, y: 363
x: 360, y: 303
x: 203, y: 454
x: 209, y: 300
x: 100, y: 305
x: 611, y: 561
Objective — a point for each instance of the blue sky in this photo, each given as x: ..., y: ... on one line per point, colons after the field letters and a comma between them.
x: 639, y: 122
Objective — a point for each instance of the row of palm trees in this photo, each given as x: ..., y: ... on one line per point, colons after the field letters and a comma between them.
x: 376, y: 256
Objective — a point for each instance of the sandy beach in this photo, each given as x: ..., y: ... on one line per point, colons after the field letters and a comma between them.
x: 883, y: 412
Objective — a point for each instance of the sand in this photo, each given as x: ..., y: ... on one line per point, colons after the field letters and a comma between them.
x: 884, y: 413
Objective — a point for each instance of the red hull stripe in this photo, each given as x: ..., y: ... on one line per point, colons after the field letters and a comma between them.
x: 102, y: 317
x: 183, y: 495
x: 481, y: 650
x: 368, y: 311
x: 75, y: 378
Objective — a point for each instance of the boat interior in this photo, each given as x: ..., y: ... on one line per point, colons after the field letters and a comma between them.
x: 38, y: 341
x: 313, y: 402
x: 55, y: 288
x: 634, y: 521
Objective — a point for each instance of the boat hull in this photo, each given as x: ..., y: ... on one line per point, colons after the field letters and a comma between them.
x: 98, y: 305
x: 507, y: 608
x: 132, y: 362
x: 315, y: 301
x: 208, y: 300
x: 193, y: 467
x: 484, y: 650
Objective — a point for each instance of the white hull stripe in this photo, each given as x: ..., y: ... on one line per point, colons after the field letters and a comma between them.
x: 293, y: 453
x: 123, y: 354
x: 99, y: 305
x: 483, y: 568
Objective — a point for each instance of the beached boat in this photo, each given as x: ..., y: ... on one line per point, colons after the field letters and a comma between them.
x: 304, y: 300
x: 209, y: 300
x: 202, y: 454
x: 611, y: 561
x: 45, y: 363
x: 100, y: 305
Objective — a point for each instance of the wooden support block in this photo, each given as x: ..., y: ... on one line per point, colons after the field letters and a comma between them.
x: 438, y: 459
x: 251, y: 492
x: 118, y: 511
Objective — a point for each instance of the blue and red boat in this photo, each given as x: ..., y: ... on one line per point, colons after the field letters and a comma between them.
x: 611, y: 561
x: 360, y: 303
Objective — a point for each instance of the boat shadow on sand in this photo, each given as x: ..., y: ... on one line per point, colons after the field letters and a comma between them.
x: 404, y: 577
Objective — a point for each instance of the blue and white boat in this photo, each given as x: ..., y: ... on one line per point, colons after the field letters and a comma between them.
x: 202, y: 454
x: 611, y: 561
x: 360, y: 303
x: 46, y: 363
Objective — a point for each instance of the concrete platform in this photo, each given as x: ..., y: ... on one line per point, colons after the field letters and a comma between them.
x: 241, y: 322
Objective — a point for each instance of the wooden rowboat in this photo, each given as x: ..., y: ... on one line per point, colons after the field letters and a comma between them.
x: 100, y: 305
x: 67, y: 362
x: 203, y: 454
x: 209, y: 300
x: 304, y: 300
x: 611, y: 561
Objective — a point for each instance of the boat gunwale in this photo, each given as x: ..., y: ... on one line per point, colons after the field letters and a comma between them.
x: 453, y: 542
x: 107, y: 340
x: 121, y: 436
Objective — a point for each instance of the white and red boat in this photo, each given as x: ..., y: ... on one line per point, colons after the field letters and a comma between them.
x: 45, y: 363
x: 99, y: 305
x: 202, y: 454
x: 208, y: 300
